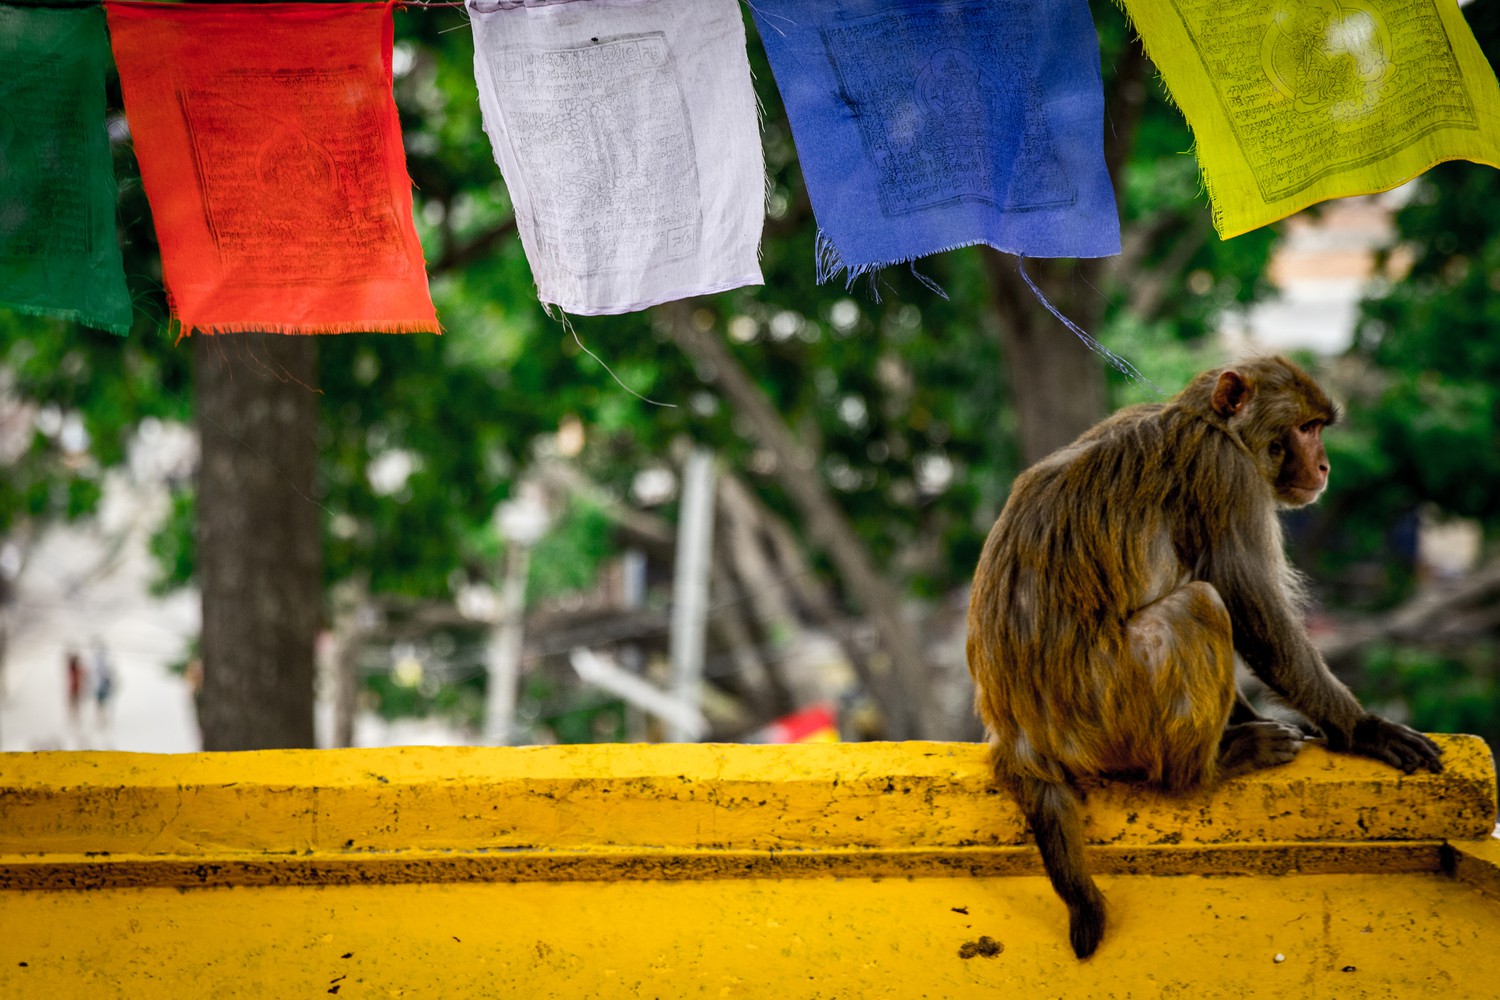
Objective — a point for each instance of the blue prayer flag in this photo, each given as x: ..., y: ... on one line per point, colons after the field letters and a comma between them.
x: 927, y: 125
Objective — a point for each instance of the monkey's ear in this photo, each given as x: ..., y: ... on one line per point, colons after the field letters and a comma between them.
x: 1231, y: 393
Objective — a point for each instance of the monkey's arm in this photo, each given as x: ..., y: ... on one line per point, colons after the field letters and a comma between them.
x: 1270, y: 637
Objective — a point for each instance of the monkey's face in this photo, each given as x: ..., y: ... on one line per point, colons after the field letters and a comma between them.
x: 1301, y: 464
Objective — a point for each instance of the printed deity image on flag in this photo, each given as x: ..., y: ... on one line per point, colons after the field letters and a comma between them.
x: 1296, y: 101
x: 627, y: 137
x: 927, y: 125
x: 271, y: 155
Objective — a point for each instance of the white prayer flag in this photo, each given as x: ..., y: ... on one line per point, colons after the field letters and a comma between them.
x: 628, y: 137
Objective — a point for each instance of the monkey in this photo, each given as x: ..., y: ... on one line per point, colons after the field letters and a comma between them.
x: 1125, y: 574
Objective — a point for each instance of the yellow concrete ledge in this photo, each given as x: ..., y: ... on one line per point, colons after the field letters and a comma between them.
x: 868, y: 796
x: 855, y: 870
x: 1476, y: 862
x: 599, y: 812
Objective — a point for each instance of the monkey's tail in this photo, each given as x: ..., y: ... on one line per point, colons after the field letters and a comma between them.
x: 1052, y: 810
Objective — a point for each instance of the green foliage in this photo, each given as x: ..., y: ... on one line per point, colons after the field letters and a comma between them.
x: 174, y: 545
x: 1173, y: 361
x: 568, y: 557
x: 1446, y: 691
x: 53, y: 374
x: 594, y: 719
x: 460, y: 701
x: 1434, y: 407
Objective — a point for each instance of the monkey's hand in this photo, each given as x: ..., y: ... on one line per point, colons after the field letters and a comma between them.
x: 1397, y: 745
x: 1249, y: 746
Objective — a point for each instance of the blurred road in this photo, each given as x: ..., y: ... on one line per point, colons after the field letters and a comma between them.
x: 86, y: 586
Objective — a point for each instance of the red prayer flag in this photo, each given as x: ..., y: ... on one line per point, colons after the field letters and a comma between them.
x: 271, y: 155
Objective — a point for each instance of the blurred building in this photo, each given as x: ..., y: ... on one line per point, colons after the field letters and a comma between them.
x: 1324, y: 263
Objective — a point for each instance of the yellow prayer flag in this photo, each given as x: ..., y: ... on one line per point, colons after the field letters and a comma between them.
x: 1292, y: 102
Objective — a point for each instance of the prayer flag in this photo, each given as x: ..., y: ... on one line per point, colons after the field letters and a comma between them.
x: 59, y: 255
x: 1296, y: 101
x: 627, y: 136
x: 271, y: 155
x: 927, y: 125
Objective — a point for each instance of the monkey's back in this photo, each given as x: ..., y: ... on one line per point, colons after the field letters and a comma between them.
x: 1084, y: 540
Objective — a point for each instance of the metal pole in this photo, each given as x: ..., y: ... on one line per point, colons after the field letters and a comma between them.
x: 505, y: 651
x: 695, y: 531
x: 521, y: 521
x: 638, y: 692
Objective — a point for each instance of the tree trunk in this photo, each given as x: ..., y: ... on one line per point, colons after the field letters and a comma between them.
x: 901, y: 688
x: 259, y: 538
x: 1056, y: 382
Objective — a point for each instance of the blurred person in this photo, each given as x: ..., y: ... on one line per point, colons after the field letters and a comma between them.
x: 193, y: 674
x: 77, y: 677
x: 104, y: 684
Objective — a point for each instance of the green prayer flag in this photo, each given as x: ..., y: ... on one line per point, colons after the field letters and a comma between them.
x: 58, y: 252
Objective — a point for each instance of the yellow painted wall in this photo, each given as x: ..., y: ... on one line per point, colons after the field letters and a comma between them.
x: 852, y: 870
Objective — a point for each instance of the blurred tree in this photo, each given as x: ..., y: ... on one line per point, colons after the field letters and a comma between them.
x: 259, y: 539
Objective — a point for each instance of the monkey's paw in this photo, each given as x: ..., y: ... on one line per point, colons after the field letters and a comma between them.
x: 1250, y: 746
x: 1397, y: 745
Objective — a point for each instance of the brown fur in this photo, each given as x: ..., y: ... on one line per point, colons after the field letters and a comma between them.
x: 1122, y: 577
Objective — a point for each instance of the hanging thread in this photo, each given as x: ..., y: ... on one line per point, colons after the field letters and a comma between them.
x: 1116, y: 362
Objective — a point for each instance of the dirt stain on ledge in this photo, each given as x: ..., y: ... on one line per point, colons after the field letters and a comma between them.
x: 986, y: 947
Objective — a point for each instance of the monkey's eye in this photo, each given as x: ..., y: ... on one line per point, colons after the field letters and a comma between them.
x: 1276, y: 449
x: 1310, y: 426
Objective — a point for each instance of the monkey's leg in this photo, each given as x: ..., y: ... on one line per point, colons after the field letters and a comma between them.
x: 1180, y: 653
x: 1052, y: 810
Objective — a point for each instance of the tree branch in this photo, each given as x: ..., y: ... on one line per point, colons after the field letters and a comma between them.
x: 461, y: 254
x: 902, y: 689
x: 1149, y: 289
x: 1441, y: 613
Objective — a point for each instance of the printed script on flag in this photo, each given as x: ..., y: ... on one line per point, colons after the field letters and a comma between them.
x: 926, y: 125
x: 1296, y: 101
x: 271, y: 155
x: 628, y: 139
x: 59, y: 255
